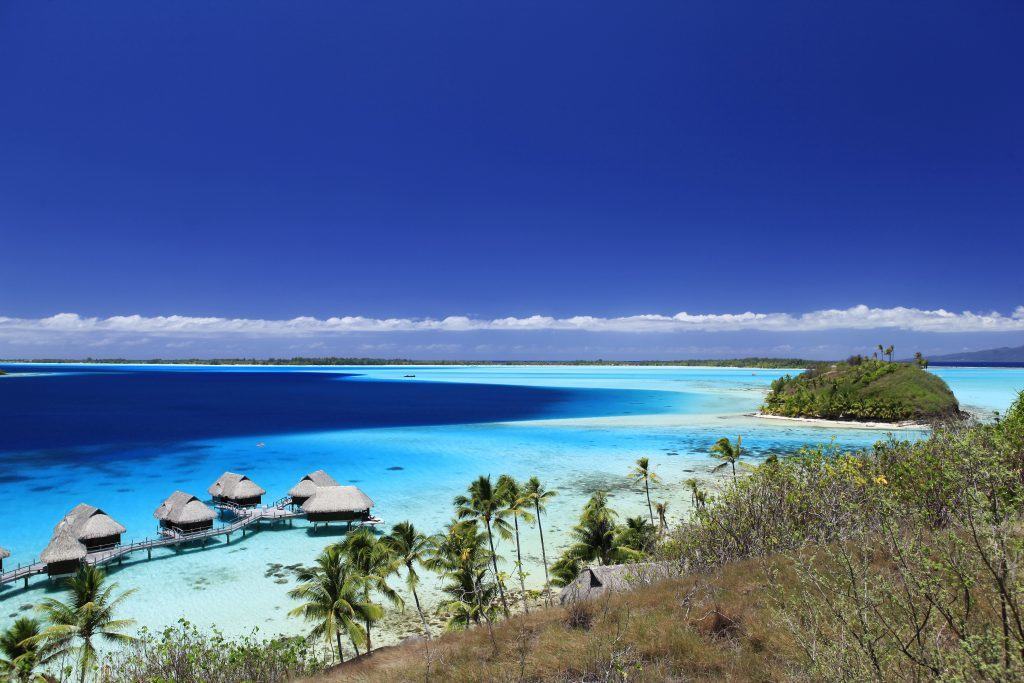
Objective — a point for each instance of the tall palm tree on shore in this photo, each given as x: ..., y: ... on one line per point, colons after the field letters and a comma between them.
x: 888, y: 351
x: 642, y: 471
x: 881, y: 350
x: 20, y: 653
x: 88, y: 616
x: 485, y: 505
x: 698, y: 498
x: 410, y: 548
x: 373, y: 564
x: 538, y: 496
x: 333, y: 600
x: 517, y: 506
x: 662, y: 510
x: 728, y: 453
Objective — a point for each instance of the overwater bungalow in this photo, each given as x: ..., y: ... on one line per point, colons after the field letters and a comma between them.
x: 64, y: 553
x: 4, y: 553
x: 337, y: 504
x: 84, y: 530
x: 308, y: 485
x: 236, y: 490
x: 93, y: 527
x: 184, y: 513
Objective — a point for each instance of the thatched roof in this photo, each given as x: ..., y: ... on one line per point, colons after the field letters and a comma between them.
x: 63, y: 546
x: 232, y: 485
x: 308, y: 484
x: 329, y: 499
x: 88, y: 522
x: 184, y: 508
x: 4, y: 553
x: 596, y: 580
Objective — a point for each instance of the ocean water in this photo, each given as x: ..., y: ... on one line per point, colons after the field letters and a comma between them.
x: 125, y: 437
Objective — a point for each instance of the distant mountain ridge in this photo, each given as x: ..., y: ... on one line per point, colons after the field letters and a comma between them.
x: 1005, y: 354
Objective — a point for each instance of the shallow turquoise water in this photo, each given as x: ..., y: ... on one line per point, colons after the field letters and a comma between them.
x: 413, y: 471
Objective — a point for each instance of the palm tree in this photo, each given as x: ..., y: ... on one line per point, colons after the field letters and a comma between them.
x: 697, y: 496
x: 642, y: 472
x: 729, y: 454
x: 637, y: 534
x: 539, y: 497
x: 662, y: 510
x: 88, y: 616
x: 333, y: 600
x: 372, y: 563
x: 517, y: 505
x: 881, y: 350
x: 20, y: 658
x: 888, y: 350
x: 410, y: 548
x: 485, y: 505
x: 460, y: 555
x: 595, y: 538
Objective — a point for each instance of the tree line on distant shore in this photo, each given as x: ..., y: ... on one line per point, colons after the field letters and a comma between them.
x: 763, y: 363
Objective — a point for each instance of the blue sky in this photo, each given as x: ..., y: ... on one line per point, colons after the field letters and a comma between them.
x: 255, y: 161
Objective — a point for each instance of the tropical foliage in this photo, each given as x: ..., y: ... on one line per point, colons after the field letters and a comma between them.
x: 863, y: 389
x: 78, y: 626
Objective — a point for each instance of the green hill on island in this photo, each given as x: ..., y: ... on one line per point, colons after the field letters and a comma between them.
x: 863, y: 389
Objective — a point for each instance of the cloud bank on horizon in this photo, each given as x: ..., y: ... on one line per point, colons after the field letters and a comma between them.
x: 853, y: 318
x: 829, y: 333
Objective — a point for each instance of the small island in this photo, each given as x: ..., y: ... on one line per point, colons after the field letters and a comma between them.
x: 864, y: 389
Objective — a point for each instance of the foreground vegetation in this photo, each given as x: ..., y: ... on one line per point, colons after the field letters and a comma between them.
x: 863, y: 389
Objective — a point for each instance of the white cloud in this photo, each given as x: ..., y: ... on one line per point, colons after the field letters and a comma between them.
x: 177, y: 326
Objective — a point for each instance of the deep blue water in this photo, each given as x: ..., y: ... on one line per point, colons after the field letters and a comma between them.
x: 119, y: 407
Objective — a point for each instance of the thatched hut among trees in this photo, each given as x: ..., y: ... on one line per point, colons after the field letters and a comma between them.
x: 184, y: 513
x: 236, y: 490
x: 308, y: 485
x: 337, y: 504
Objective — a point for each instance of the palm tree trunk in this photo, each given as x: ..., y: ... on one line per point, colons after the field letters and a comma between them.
x: 733, y: 463
x: 341, y: 655
x: 494, y: 563
x: 369, y: 642
x: 650, y: 510
x: 354, y: 646
x: 519, y: 562
x: 544, y: 556
x: 419, y: 609
x: 84, y: 660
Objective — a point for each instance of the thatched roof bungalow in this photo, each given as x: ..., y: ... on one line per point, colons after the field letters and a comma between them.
x: 236, y: 489
x: 4, y: 554
x: 83, y: 530
x: 596, y: 580
x: 184, y: 513
x: 93, y: 527
x: 337, y: 503
x: 308, y: 485
x: 65, y: 552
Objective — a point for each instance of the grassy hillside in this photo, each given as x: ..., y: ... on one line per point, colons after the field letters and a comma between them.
x: 863, y: 389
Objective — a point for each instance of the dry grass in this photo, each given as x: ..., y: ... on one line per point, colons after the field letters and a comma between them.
x: 698, y: 628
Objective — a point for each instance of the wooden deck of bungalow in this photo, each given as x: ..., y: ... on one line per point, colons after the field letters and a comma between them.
x: 244, y: 518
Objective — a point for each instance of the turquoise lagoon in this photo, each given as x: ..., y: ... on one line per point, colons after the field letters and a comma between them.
x: 410, y: 448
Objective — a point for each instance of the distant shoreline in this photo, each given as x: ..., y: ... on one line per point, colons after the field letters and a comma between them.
x: 755, y: 363
x: 848, y: 424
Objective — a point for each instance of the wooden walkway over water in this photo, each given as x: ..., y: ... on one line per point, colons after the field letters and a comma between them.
x: 244, y: 518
